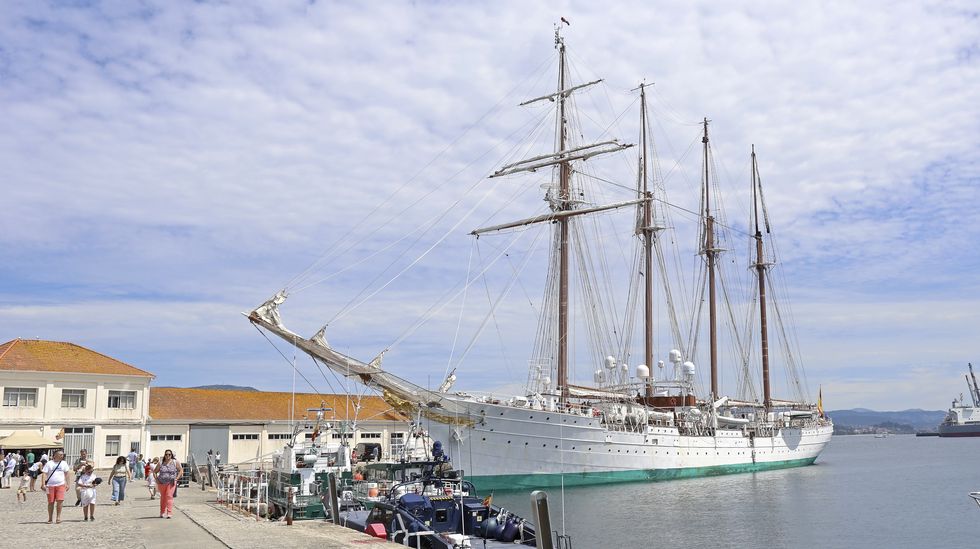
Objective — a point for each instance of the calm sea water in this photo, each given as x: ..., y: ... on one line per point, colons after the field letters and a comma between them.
x: 899, y: 491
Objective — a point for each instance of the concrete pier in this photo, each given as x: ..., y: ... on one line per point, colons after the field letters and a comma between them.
x: 197, y: 522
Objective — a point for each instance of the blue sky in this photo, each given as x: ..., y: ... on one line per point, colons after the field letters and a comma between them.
x: 169, y: 165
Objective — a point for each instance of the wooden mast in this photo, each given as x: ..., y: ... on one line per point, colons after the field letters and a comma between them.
x: 710, y: 252
x: 564, y: 174
x: 760, y: 267
x: 647, y: 245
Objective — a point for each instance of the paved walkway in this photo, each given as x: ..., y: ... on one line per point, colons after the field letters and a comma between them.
x: 134, y: 523
x: 197, y: 523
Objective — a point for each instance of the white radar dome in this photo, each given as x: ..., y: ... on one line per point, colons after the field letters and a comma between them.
x: 689, y: 368
x: 642, y: 371
x: 598, y: 377
x: 660, y: 364
x: 675, y: 356
x: 610, y: 363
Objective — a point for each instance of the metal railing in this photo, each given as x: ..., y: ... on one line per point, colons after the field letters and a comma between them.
x: 244, y: 491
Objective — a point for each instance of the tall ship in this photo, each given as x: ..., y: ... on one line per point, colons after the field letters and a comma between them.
x: 658, y: 420
x: 962, y: 419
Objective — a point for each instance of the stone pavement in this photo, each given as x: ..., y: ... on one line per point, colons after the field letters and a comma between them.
x: 197, y: 522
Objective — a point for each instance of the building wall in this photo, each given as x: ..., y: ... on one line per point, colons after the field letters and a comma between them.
x: 167, y: 437
x: 48, y: 417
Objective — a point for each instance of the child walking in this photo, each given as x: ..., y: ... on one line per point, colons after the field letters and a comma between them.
x: 151, y: 481
x: 86, y: 483
x: 22, y: 490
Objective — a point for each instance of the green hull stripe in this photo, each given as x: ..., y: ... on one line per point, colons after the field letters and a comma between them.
x: 532, y: 481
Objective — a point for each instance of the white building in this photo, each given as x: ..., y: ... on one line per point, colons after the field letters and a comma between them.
x: 250, y: 425
x: 67, y: 392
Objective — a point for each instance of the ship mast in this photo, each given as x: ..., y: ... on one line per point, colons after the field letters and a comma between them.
x: 563, y: 204
x: 710, y: 252
x: 648, y: 236
x: 760, y: 267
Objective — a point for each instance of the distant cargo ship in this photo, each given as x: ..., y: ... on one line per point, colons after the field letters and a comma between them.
x: 963, y: 420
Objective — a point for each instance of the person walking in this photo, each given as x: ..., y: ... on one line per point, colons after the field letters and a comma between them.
x: 54, y: 480
x: 167, y: 475
x: 151, y: 481
x: 119, y: 477
x: 140, y: 468
x: 35, y: 471
x: 22, y: 489
x: 9, y: 464
x: 86, y: 484
x: 77, y: 468
x: 131, y: 457
x: 30, y: 460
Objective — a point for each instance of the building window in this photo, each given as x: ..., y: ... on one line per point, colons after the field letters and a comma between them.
x: 73, y: 398
x: 112, y: 445
x: 124, y: 400
x: 245, y: 436
x: 370, y: 435
x: 78, y: 430
x: 342, y: 435
x: 397, y: 445
x: 280, y: 436
x: 20, y: 397
x: 154, y: 438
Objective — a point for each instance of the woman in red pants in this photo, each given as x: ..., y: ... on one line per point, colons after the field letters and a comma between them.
x: 166, y: 475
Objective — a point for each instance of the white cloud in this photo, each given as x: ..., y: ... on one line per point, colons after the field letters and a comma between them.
x: 194, y: 157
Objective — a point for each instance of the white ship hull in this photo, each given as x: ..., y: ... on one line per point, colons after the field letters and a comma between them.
x: 511, y: 447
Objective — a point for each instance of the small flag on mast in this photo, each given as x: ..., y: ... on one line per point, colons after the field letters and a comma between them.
x: 488, y: 500
x: 820, y: 401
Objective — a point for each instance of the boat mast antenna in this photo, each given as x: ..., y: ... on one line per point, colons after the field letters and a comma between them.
x: 564, y: 192
x: 710, y: 252
x: 648, y: 236
x: 760, y: 267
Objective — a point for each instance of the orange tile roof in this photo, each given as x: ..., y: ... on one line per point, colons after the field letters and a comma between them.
x: 219, y: 404
x: 32, y: 355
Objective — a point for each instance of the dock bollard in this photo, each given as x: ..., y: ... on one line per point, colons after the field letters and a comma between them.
x: 542, y: 519
x: 334, y: 503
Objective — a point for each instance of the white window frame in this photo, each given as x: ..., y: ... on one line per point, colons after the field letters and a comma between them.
x: 396, y: 443
x: 20, y: 397
x: 157, y: 438
x: 280, y: 436
x: 73, y: 398
x: 116, y: 442
x: 245, y: 436
x: 125, y: 400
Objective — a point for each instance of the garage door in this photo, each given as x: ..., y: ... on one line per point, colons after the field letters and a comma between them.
x: 208, y: 437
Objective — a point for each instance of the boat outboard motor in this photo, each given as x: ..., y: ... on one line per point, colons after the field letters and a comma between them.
x: 509, y: 532
x: 488, y: 528
x: 497, y: 531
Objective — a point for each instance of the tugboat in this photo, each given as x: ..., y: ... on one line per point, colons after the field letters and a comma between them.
x: 302, y: 467
x: 433, y: 507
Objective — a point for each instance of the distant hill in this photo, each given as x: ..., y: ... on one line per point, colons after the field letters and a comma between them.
x: 920, y: 420
x: 225, y: 387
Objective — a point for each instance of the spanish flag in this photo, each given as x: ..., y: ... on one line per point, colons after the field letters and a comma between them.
x: 820, y: 401
x: 488, y: 500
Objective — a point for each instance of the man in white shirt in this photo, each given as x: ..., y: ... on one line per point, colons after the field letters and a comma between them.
x: 9, y: 464
x: 54, y: 479
x: 131, y: 458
